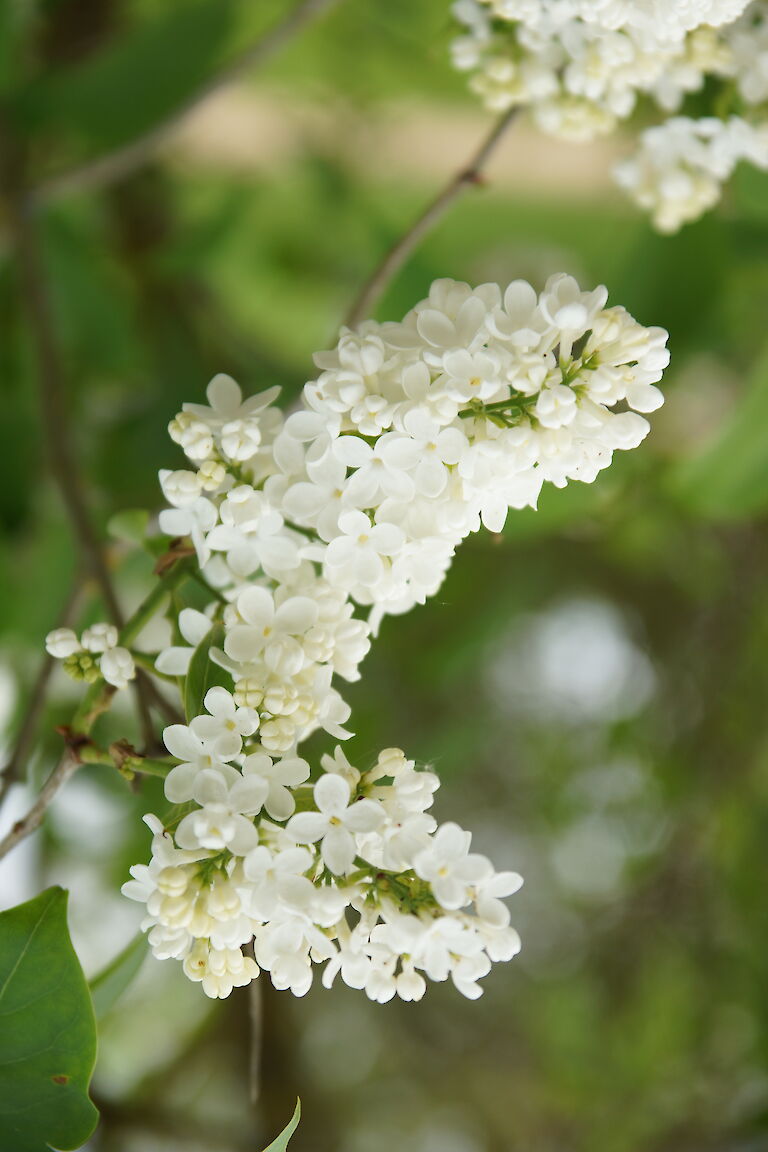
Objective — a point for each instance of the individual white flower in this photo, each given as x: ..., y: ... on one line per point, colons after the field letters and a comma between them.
x: 374, y: 475
x: 193, y: 435
x: 194, y: 518
x: 426, y: 453
x: 226, y: 403
x: 336, y: 822
x: 196, y: 755
x: 117, y: 667
x: 489, y: 893
x: 226, y: 725
x: 351, y: 960
x: 99, y: 637
x: 277, y: 878
x: 252, y: 534
x: 317, y: 501
x: 271, y: 632
x: 453, y: 318
x: 449, y: 867
x: 219, y: 969
x: 221, y: 821
x: 470, y: 376
x: 358, y: 558
x: 62, y: 642
x: 567, y: 308
x: 279, y: 776
x: 556, y: 406
x: 194, y: 626
x: 282, y: 949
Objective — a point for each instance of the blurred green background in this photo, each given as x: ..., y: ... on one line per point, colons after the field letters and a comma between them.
x: 592, y: 686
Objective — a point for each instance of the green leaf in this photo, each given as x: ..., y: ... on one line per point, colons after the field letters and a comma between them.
x: 47, y: 1030
x: 203, y: 673
x: 107, y: 99
x: 108, y: 985
x: 729, y: 479
x: 130, y: 525
x: 281, y: 1142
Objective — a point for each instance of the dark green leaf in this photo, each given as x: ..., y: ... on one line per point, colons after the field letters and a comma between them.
x: 108, y: 985
x: 203, y: 673
x: 139, y: 79
x: 281, y: 1142
x: 47, y: 1030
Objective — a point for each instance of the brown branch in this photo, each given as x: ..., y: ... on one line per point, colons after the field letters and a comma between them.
x: 54, y: 409
x: 470, y: 176
x: 116, y: 165
x: 95, y: 701
x: 29, y: 823
x: 27, y: 729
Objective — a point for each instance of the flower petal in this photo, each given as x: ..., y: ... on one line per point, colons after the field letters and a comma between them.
x: 332, y: 794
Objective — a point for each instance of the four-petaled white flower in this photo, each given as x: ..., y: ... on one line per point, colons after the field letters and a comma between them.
x: 336, y: 823
x: 279, y: 777
x: 449, y: 867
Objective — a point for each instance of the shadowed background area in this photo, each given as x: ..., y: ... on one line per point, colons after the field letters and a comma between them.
x: 591, y: 685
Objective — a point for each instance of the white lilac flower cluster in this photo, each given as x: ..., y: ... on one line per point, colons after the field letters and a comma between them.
x: 365, y: 882
x: 582, y: 66
x: 412, y: 436
x: 95, y: 655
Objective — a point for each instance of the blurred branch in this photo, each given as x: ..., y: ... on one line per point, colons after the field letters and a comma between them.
x: 253, y: 992
x: 34, y: 817
x: 470, y: 176
x: 27, y: 729
x: 116, y: 165
x: 95, y: 701
x: 55, y: 415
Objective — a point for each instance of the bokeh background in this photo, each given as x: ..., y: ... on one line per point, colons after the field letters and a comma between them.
x: 592, y: 685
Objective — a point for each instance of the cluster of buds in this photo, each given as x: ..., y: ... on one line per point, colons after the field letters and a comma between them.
x: 96, y: 654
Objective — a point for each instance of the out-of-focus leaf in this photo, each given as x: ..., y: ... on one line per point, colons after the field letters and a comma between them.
x: 203, y: 673
x: 130, y: 525
x: 729, y: 479
x: 108, y: 985
x: 48, y: 1031
x: 139, y: 80
x: 281, y: 1142
x: 16, y: 22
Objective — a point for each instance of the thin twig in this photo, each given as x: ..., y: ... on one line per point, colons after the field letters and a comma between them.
x: 27, y: 729
x: 29, y: 823
x: 116, y: 165
x: 470, y: 176
x: 95, y: 701
x: 55, y: 418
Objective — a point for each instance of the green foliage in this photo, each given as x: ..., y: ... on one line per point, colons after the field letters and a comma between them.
x: 135, y: 81
x: 48, y: 1033
x: 280, y: 1143
x: 729, y: 479
x: 130, y: 525
x: 203, y: 672
x: 108, y: 985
